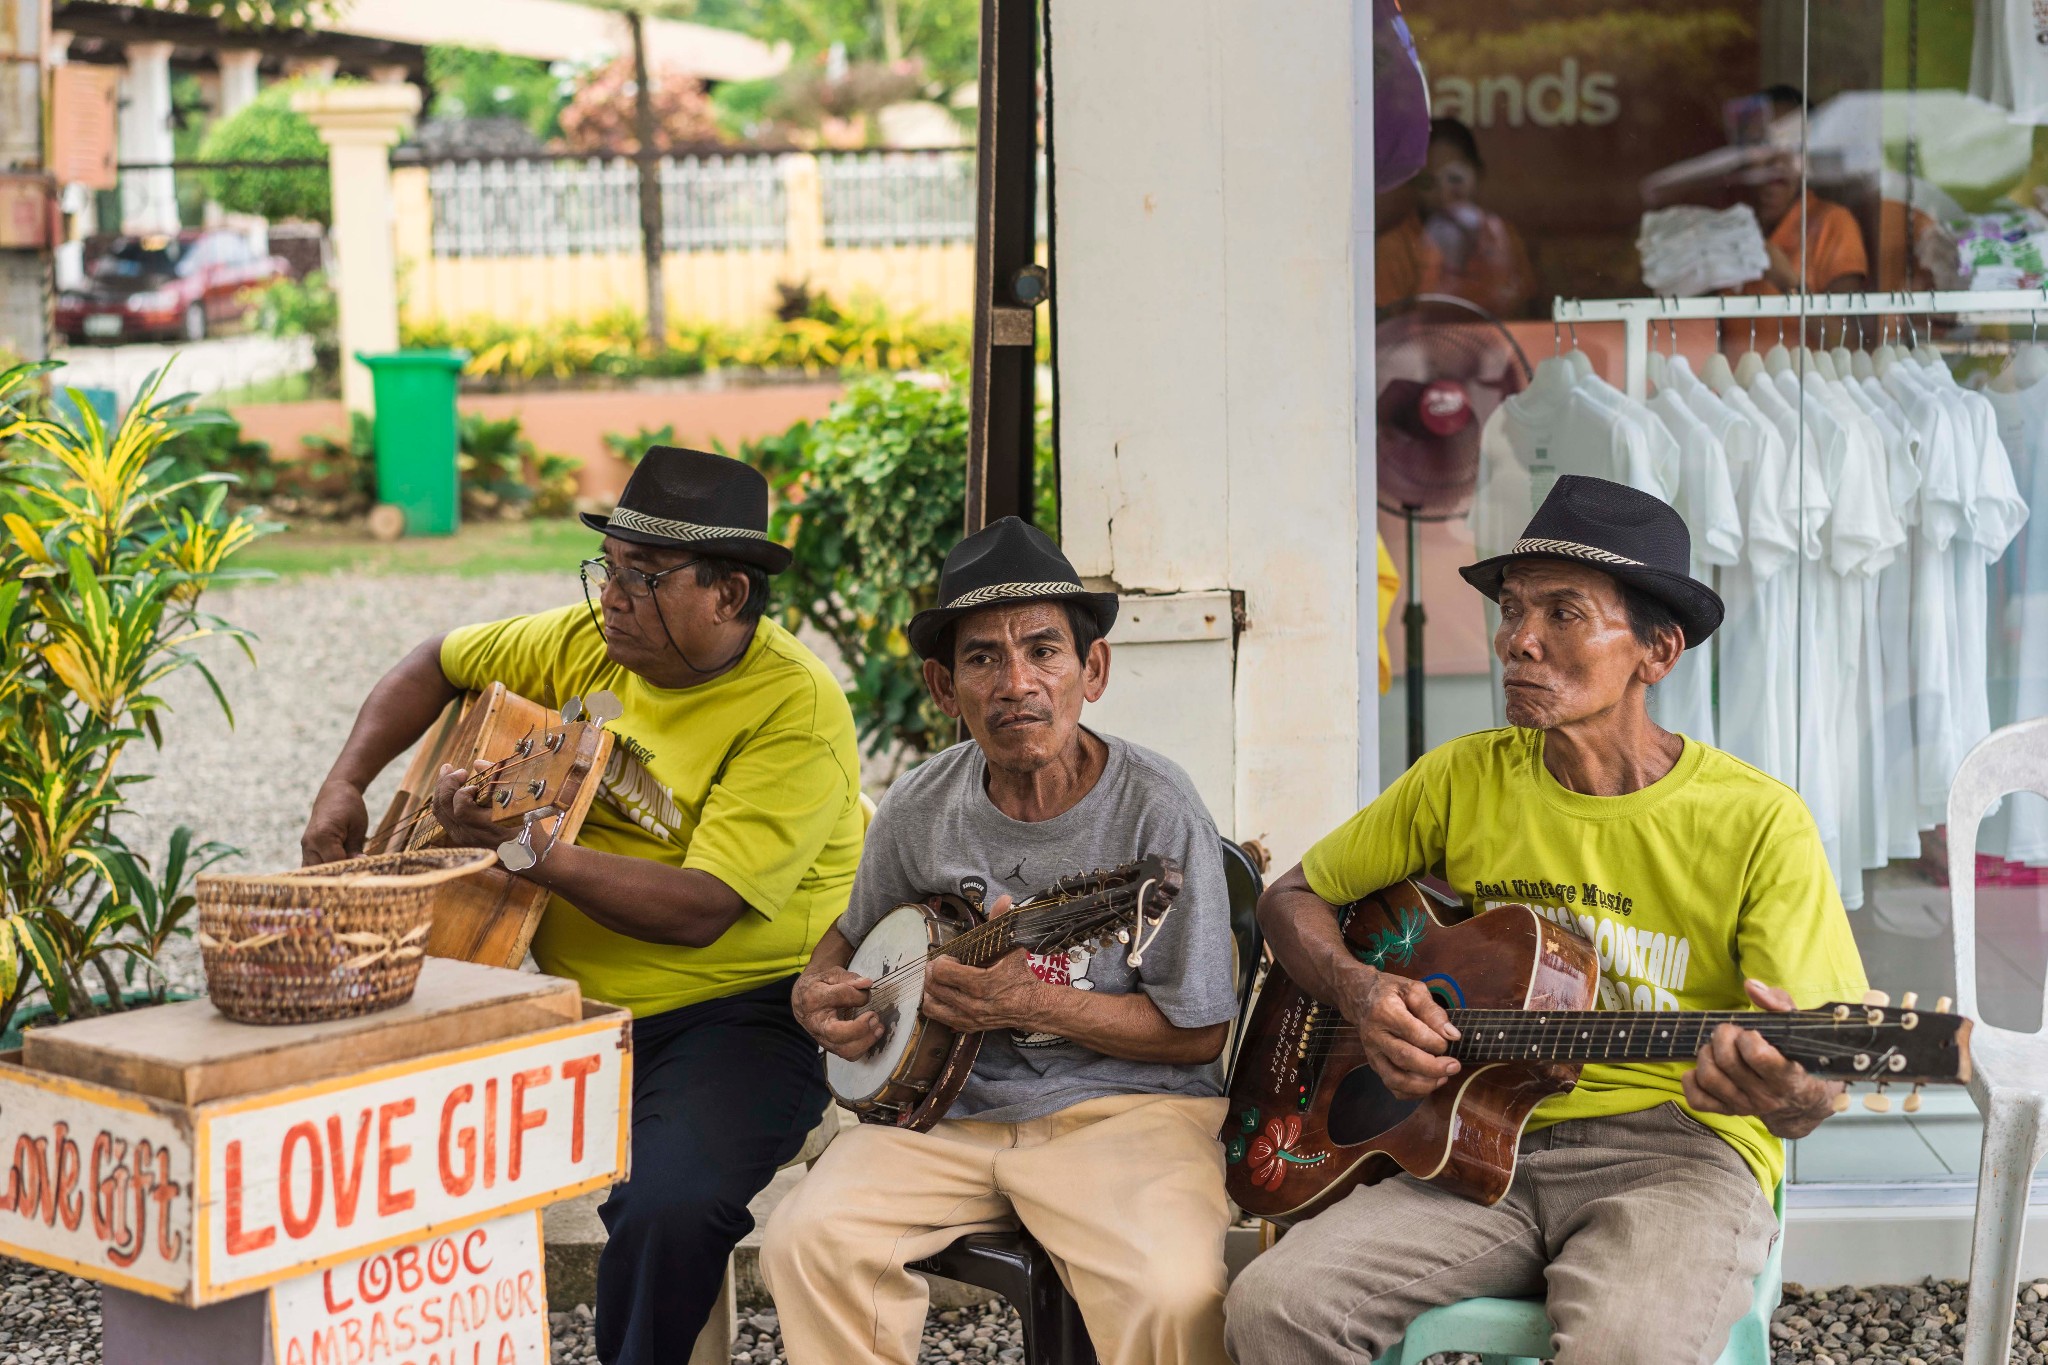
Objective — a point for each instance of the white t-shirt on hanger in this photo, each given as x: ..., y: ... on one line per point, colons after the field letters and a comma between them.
x: 1759, y: 696
x: 1705, y: 499
x: 2019, y: 615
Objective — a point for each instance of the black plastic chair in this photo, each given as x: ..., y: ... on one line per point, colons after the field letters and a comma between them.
x: 1013, y: 1264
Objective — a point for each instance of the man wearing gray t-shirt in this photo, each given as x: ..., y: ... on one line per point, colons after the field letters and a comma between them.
x: 1093, y: 1106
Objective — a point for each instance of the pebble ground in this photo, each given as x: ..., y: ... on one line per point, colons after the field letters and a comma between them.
x: 322, y: 642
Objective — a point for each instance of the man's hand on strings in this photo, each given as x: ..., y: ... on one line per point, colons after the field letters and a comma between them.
x: 831, y: 1004
x: 1739, y: 1072
x: 464, y: 814
x: 1005, y: 994
x: 337, y: 826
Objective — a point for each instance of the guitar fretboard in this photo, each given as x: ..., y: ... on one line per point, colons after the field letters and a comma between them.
x: 1620, y: 1035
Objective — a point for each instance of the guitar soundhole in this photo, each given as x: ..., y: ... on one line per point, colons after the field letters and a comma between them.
x: 1363, y: 1108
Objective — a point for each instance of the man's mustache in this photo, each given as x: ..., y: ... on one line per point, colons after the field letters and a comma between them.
x: 998, y: 719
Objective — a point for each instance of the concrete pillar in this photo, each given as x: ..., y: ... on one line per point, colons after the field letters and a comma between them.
x: 803, y: 199
x: 60, y: 46
x: 359, y: 124
x: 1209, y: 393
x: 237, y: 78
x: 391, y: 73
x: 149, y: 199
x: 317, y: 70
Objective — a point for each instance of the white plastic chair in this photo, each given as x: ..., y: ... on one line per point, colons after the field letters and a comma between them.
x: 2009, y: 1071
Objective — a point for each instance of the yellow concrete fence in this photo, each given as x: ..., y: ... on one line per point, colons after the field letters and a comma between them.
x: 537, y: 241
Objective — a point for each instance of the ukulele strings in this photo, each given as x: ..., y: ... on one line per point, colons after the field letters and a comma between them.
x: 892, y: 985
x: 1526, y: 1026
x: 488, y: 778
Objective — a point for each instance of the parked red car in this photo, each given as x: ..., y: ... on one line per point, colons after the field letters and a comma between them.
x: 178, y: 287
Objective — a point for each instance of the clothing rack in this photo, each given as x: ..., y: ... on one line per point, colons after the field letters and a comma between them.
x: 1636, y: 315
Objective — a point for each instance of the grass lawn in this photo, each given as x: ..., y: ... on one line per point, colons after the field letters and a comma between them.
x: 284, y: 388
x: 477, y: 550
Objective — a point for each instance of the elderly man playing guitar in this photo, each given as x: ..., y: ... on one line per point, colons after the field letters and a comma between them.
x: 1640, y: 1207
x: 721, y: 846
x: 1090, y: 1114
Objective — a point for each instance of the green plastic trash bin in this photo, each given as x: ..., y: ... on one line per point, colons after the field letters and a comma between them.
x: 415, y: 434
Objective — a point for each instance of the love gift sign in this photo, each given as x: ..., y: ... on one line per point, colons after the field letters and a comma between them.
x: 200, y: 1203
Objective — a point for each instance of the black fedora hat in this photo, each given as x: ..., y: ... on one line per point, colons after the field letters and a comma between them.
x: 694, y: 500
x: 1002, y: 564
x: 1634, y: 536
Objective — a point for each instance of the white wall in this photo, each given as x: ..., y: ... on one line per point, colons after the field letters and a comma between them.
x: 1208, y: 294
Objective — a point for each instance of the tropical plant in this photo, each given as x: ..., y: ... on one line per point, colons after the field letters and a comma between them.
x: 109, y: 548
x: 630, y: 448
x: 599, y: 117
x: 308, y: 308
x: 503, y: 474
x: 872, y: 505
x: 477, y: 83
x: 269, y: 129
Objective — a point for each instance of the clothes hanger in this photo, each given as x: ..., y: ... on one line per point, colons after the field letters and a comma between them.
x: 1887, y: 351
x: 1656, y: 366
x: 1715, y: 373
x: 1817, y: 360
x: 1752, y: 363
x: 1582, y: 364
x: 1845, y: 366
x: 1554, y: 376
x: 1778, y: 360
x: 2030, y: 366
x: 1860, y: 363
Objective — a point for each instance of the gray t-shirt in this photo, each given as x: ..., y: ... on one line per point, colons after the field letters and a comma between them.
x: 938, y: 831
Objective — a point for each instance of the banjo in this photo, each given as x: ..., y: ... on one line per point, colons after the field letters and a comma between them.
x: 911, y: 1078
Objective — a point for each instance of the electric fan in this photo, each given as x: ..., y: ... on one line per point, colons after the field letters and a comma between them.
x: 1443, y: 365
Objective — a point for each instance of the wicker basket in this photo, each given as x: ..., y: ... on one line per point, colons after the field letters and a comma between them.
x: 324, y: 942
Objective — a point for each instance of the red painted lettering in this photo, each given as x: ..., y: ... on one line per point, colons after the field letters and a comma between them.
x: 465, y: 1142
x: 69, y: 1199
x: 508, y: 1354
x: 161, y: 1191
x: 406, y: 1263
x: 389, y: 1159
x: 471, y: 1246
x: 327, y: 1292
x: 522, y: 1121
x: 348, y: 1175
x: 30, y: 1192
x: 529, y: 1299
x: 297, y: 1224
x: 241, y: 1243
x: 577, y: 1070
x: 490, y: 1132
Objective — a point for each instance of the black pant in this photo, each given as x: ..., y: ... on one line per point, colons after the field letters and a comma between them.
x: 724, y: 1093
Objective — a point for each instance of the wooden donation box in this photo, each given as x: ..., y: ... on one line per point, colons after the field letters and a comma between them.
x: 360, y: 1189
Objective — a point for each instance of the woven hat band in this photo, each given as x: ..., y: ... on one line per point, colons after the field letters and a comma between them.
x: 1572, y: 549
x: 1000, y: 592
x: 627, y: 519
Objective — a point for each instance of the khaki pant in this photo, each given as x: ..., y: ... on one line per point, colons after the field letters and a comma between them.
x: 1125, y: 1193
x: 1644, y: 1233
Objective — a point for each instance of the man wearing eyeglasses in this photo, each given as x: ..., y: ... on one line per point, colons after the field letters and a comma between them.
x: 721, y: 847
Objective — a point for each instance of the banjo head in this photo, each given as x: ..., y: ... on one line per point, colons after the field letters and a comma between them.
x: 901, y: 936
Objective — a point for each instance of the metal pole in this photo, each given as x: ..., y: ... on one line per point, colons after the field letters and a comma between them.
x: 1000, y: 433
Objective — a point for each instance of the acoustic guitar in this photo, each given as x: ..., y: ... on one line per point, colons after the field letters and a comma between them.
x: 539, y: 769
x: 1309, y: 1119
x: 911, y: 1078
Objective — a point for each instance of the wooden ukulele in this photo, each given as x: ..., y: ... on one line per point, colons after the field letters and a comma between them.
x: 539, y: 769
x: 1309, y: 1118
x: 911, y: 1078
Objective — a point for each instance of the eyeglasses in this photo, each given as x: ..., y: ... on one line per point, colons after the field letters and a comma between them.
x: 636, y: 584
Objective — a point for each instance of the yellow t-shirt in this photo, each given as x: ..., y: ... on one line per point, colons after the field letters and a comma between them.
x: 752, y: 777
x: 1711, y: 874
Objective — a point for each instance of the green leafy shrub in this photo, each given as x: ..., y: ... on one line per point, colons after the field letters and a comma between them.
x: 304, y: 308
x: 108, y: 549
x: 632, y: 448
x: 861, y: 338
x: 268, y: 129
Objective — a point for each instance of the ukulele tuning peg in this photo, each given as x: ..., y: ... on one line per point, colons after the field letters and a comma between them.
x: 1941, y: 1005
x: 1877, y: 1102
x: 1842, y: 1101
x: 1878, y: 999
x: 1911, y: 1104
x: 1910, y: 1000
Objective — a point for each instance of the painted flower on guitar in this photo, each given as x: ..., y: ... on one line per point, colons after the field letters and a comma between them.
x: 1272, y: 1152
x: 1394, y: 945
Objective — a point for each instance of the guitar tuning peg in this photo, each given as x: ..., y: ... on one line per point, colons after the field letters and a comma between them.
x: 604, y: 707
x: 1877, y: 1102
x: 1842, y: 1101
x: 1910, y: 1000
x: 1941, y: 1005
x: 572, y: 710
x: 1912, y: 1101
x: 1876, y: 998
